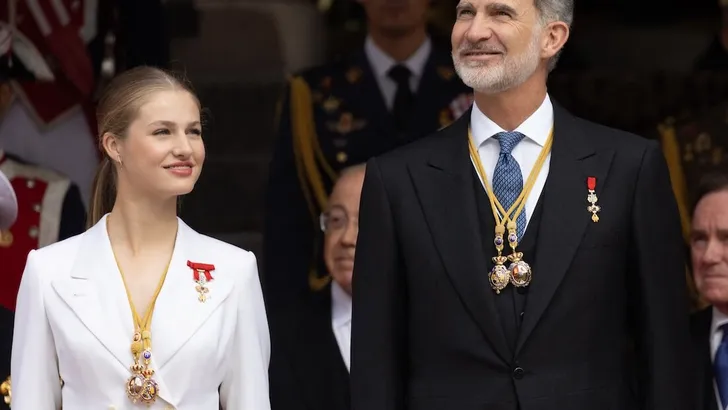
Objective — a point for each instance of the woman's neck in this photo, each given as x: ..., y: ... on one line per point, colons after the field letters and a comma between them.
x: 142, y: 226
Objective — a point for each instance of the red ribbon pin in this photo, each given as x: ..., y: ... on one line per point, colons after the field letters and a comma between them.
x: 591, y: 183
x: 593, y: 208
x: 203, y: 268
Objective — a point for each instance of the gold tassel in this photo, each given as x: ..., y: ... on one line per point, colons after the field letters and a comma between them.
x: 671, y: 151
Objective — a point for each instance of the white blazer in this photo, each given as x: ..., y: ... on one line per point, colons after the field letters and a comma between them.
x: 73, y: 321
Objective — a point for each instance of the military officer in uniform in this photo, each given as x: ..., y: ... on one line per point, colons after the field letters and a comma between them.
x: 397, y: 88
x: 693, y: 146
x: 49, y: 209
x: 46, y: 85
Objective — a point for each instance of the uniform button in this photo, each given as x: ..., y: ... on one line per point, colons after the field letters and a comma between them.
x: 36, y: 207
x: 522, y: 313
x: 112, y: 407
x: 33, y: 232
x: 342, y: 157
x: 30, y: 183
x: 518, y: 373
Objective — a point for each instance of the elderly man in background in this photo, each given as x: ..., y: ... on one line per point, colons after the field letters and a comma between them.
x: 309, y: 367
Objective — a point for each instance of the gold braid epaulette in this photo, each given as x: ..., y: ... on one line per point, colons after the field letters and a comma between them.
x: 671, y: 151
x: 309, y: 157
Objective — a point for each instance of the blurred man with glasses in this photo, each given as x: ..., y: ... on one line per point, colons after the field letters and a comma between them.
x: 310, y: 336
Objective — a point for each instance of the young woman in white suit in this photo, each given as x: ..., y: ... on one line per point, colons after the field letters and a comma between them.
x: 141, y: 311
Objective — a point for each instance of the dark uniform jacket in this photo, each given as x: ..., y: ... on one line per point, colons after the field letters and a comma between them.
x: 332, y: 117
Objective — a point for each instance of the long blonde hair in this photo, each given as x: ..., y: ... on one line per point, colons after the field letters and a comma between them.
x: 116, y: 110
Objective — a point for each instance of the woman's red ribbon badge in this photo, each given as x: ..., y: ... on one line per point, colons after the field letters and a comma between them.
x: 201, y: 274
x: 591, y: 184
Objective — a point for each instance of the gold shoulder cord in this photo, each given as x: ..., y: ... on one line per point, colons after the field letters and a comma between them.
x: 307, y: 151
x: 671, y: 151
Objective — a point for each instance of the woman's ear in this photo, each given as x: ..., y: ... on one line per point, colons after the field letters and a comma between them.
x: 111, y: 146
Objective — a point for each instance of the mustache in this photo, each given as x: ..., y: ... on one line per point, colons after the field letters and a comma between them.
x: 478, y: 47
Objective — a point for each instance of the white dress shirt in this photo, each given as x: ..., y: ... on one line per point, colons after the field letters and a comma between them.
x: 716, y: 335
x: 536, y: 128
x: 381, y: 63
x: 341, y: 320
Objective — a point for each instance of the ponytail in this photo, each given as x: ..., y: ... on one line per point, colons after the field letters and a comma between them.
x: 104, y: 192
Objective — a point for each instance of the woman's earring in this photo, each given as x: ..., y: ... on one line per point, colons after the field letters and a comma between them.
x: 121, y: 164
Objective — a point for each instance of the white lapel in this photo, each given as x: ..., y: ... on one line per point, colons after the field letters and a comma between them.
x: 94, y: 290
x: 178, y: 313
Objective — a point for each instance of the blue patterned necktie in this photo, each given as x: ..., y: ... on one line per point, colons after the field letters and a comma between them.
x: 507, y: 177
x: 720, y: 368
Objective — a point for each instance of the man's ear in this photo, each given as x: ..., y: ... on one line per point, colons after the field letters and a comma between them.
x: 555, y: 37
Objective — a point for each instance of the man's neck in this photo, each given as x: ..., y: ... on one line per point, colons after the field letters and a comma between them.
x: 400, y: 48
x: 721, y: 307
x: 510, y: 108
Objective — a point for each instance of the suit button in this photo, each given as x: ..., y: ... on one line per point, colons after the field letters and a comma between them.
x: 518, y: 373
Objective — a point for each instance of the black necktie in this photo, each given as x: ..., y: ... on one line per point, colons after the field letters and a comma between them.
x: 403, y: 99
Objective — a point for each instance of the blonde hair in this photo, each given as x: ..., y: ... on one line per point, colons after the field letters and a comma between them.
x: 116, y: 110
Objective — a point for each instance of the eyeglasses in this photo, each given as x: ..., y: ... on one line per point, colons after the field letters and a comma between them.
x: 333, y: 220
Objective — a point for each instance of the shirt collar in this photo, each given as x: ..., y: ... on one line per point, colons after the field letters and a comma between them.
x: 340, y: 305
x: 381, y: 62
x: 719, y: 319
x: 536, y: 127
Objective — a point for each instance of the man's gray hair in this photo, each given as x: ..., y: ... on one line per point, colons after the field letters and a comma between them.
x: 555, y: 10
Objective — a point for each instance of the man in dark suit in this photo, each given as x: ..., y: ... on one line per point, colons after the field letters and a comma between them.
x: 309, y: 367
x: 397, y: 88
x: 446, y: 313
x: 709, y: 251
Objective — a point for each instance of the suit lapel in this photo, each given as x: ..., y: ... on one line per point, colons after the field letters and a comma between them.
x: 94, y: 290
x: 178, y: 313
x: 445, y: 189
x: 573, y: 158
